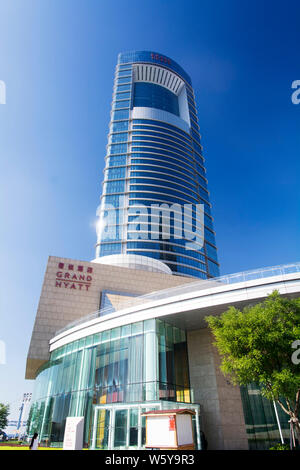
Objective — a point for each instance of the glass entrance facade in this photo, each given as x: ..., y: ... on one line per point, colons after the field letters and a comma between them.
x: 138, y: 364
x: 120, y: 426
x: 154, y: 158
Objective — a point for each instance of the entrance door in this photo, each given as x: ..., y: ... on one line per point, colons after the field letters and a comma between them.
x: 116, y: 427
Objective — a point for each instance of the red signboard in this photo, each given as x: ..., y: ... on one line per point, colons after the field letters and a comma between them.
x: 172, y: 423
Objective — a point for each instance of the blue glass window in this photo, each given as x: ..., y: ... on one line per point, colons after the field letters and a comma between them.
x: 162, y: 132
x: 165, y: 175
x: 149, y: 95
x: 122, y: 96
x: 210, y: 237
x: 174, y: 152
x: 203, y: 193
x: 123, y: 137
x: 114, y: 187
x: 115, y: 173
x: 117, y: 160
x: 198, y: 148
x: 160, y: 124
x: 112, y: 233
x: 113, y: 200
x: 122, y: 80
x: 161, y: 157
x: 165, y: 140
x: 162, y: 182
x: 124, y: 73
x: 117, y: 148
x: 119, y: 126
x: 113, y: 216
x: 120, y: 115
x: 195, y: 135
x: 164, y: 245
x: 160, y: 169
x: 159, y: 189
x: 213, y: 269
x: 208, y: 222
x: 162, y: 161
x: 134, y: 209
x: 202, y: 181
x: 159, y: 149
x: 121, y: 104
x: 125, y: 66
x: 211, y: 252
x: 147, y: 198
x: 110, y: 249
x: 187, y: 271
x: 194, y: 125
x: 192, y: 107
x: 126, y: 87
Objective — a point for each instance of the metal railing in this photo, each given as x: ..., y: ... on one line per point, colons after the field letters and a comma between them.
x: 190, y: 288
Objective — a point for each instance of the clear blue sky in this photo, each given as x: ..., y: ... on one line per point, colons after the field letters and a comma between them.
x: 57, y: 58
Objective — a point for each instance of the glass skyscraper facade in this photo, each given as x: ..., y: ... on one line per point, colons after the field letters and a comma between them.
x: 154, y: 170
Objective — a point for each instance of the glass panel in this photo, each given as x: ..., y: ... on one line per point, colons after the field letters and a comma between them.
x: 97, y: 338
x: 149, y: 325
x: 119, y: 126
x: 120, y: 428
x: 122, y: 96
x: 137, y: 328
x: 103, y: 429
x: 115, y: 333
x: 133, y: 427
x: 122, y: 80
x: 125, y: 331
x: 119, y: 137
x: 120, y: 115
x: 121, y: 104
x: 124, y: 73
x: 154, y: 96
x: 260, y: 419
x: 123, y: 87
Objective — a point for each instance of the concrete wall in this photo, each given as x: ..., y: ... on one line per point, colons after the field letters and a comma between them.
x: 64, y: 300
x: 222, y: 414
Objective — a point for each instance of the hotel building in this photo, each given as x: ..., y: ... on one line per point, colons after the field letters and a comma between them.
x: 126, y: 332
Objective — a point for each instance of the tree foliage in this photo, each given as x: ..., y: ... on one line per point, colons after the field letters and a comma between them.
x: 255, y: 345
x: 4, y: 412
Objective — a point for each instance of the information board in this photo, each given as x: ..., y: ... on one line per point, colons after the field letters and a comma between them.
x: 73, y: 438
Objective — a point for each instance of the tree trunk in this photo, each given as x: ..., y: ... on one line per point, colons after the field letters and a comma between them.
x: 297, y: 428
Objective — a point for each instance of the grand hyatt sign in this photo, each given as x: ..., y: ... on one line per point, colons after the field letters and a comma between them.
x: 71, y: 276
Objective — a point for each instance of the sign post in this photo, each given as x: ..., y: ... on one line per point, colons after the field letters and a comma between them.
x: 73, y: 438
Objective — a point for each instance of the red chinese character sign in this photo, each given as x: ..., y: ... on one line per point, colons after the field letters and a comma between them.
x: 172, y: 423
x: 160, y: 58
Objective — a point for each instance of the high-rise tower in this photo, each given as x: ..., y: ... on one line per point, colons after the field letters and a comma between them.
x: 153, y: 165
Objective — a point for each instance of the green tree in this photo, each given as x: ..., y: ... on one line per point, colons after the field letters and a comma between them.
x: 4, y: 412
x: 255, y: 346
